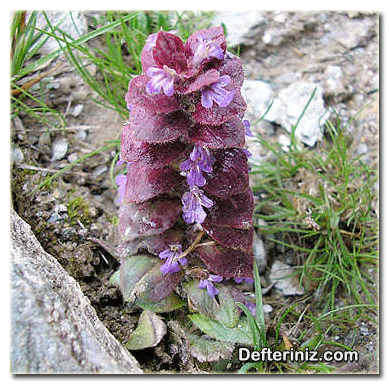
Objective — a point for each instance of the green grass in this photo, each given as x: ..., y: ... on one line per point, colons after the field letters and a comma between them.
x: 332, y: 190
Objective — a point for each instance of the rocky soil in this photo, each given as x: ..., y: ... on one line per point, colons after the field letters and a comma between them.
x: 285, y: 55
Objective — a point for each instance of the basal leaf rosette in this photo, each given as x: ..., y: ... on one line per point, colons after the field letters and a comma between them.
x: 185, y: 197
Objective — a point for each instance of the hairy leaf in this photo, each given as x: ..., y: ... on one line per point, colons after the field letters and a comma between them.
x: 201, y: 81
x: 237, y: 239
x: 145, y: 125
x: 226, y: 262
x: 141, y: 279
x: 159, y: 103
x: 149, y: 332
x: 204, y: 349
x: 230, y: 174
x: 239, y: 334
x: 233, y: 212
x: 152, y: 217
x: 168, y: 304
x: 231, y: 134
x: 144, y: 183
x: 169, y: 51
x: 151, y: 154
x: 154, y: 244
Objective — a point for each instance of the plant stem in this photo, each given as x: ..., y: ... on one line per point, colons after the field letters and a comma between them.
x: 191, y: 247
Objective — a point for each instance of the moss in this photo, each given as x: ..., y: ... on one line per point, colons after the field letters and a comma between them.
x: 78, y: 210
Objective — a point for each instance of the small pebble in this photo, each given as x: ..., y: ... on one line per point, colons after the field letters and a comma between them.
x: 59, y: 149
x: 17, y: 155
x: 267, y: 308
x: 77, y: 110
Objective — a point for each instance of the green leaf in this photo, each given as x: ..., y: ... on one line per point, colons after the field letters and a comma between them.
x: 115, y: 278
x: 169, y: 303
x: 132, y: 270
x: 209, y: 350
x: 199, y: 299
x: 149, y: 332
x: 238, y: 334
x: 227, y: 313
x: 141, y: 279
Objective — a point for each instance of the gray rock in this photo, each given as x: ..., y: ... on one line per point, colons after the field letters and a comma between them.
x: 60, y: 148
x: 290, y: 103
x: 285, y: 280
x: 260, y: 255
x: 258, y: 95
x: 77, y: 110
x: 351, y: 33
x: 267, y: 308
x: 333, y: 76
x: 241, y: 26
x: 54, y: 329
x: 73, y: 23
x: 17, y: 155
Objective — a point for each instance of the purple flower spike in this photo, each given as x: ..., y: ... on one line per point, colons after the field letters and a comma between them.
x: 171, y: 265
x: 206, y: 49
x: 216, y: 92
x: 161, y: 79
x: 208, y: 284
x: 193, y: 202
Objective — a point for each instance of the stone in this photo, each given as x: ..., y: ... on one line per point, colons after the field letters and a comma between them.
x: 289, y: 105
x: 260, y: 255
x: 258, y: 95
x: 285, y: 279
x: 351, y: 33
x: 333, y: 80
x: 59, y: 149
x: 240, y: 25
x: 77, y: 110
x: 17, y: 155
x: 54, y: 328
x: 73, y: 23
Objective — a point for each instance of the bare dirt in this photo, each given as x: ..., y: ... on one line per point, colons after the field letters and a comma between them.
x: 79, y: 206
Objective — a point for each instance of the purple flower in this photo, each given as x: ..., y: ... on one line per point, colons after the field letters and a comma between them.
x: 252, y: 308
x: 120, y: 180
x: 248, y: 132
x: 216, y: 92
x: 208, y: 284
x: 161, y: 79
x: 193, y: 202
x: 206, y: 49
x: 247, y: 152
x: 200, y: 160
x: 171, y: 264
